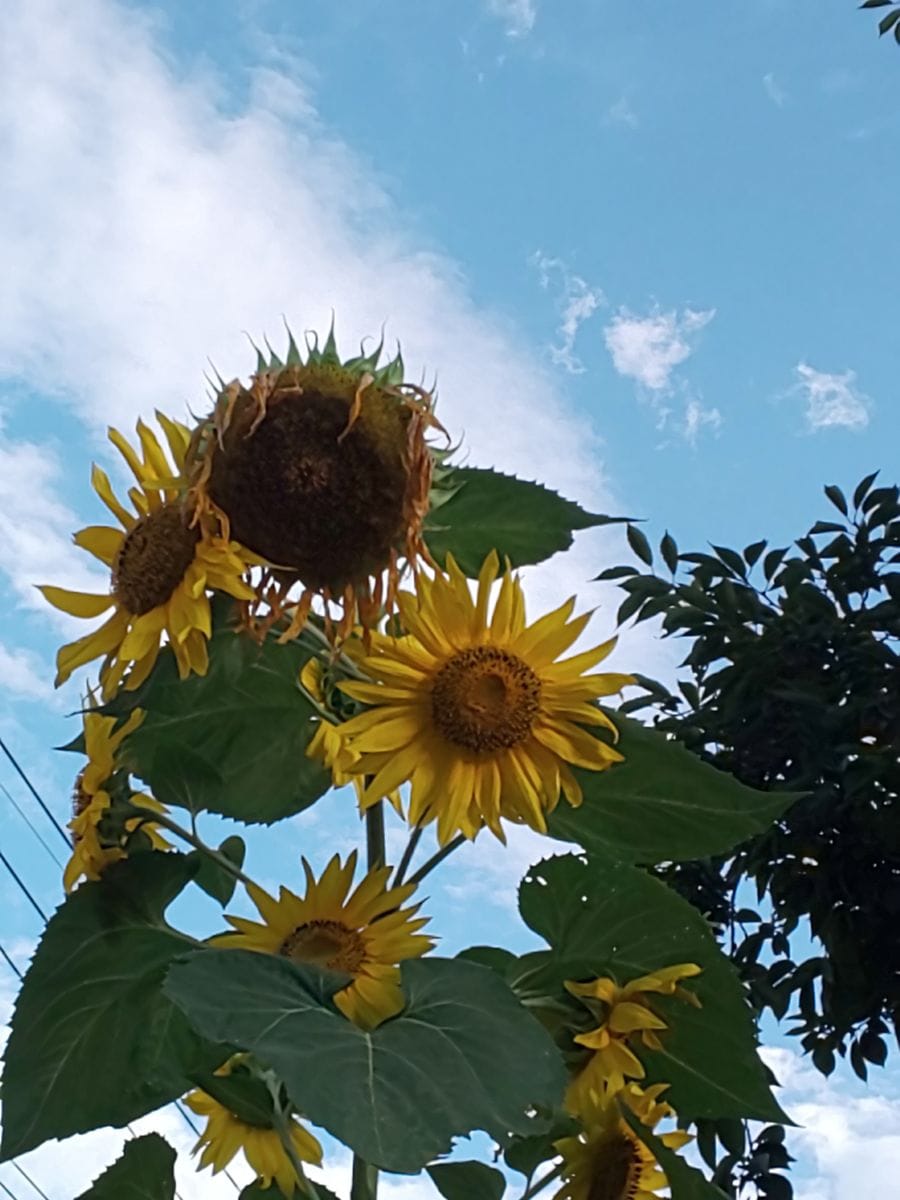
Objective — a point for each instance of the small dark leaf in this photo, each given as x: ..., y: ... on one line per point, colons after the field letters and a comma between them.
x: 823, y: 1059
x: 609, y: 573
x: 732, y: 1135
x: 862, y: 488
x: 637, y: 540
x: 753, y: 551
x: 837, y: 498
x: 467, y: 1181
x: 873, y: 1048
x: 732, y: 559
x: 776, y: 1187
x: 217, y: 881
x: 876, y: 3
x: 772, y: 561
x: 669, y: 551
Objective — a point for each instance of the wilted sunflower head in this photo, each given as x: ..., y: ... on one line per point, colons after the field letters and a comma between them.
x: 322, y: 468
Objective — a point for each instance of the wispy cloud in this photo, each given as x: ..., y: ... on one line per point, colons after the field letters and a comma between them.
x: 24, y: 674
x: 649, y: 348
x: 622, y: 113
x: 576, y: 302
x: 519, y: 16
x: 833, y: 401
x: 774, y: 90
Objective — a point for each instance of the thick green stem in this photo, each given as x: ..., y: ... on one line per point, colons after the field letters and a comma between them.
x: 375, y: 852
x: 542, y: 1183
x: 365, y: 1176
x: 364, y: 1185
x: 192, y: 839
x: 437, y: 859
x: 407, y: 856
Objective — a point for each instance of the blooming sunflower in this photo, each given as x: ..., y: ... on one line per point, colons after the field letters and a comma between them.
x: 626, y: 1014
x: 321, y: 468
x: 161, y: 566
x: 364, y: 934
x: 475, y: 711
x: 225, y: 1134
x: 608, y: 1161
x: 91, y: 852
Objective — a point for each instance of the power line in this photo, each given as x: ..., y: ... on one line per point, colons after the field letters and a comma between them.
x: 28, y: 821
x: 40, y: 912
x: 12, y: 966
x: 12, y: 1195
x: 6, y: 750
x: 29, y: 1180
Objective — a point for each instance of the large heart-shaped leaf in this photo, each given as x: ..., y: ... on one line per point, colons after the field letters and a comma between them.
x: 663, y: 803
x: 606, y: 918
x: 146, y: 1171
x: 94, y: 1041
x: 232, y: 741
x: 463, y: 1055
x: 524, y: 522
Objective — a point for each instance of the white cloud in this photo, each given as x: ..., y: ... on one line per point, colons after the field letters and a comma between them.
x: 648, y: 349
x: 519, y: 16
x: 576, y: 303
x: 621, y: 113
x: 848, y: 1140
x: 832, y: 400
x: 148, y: 228
x: 696, y: 418
x: 24, y: 674
x: 36, y: 526
x: 773, y: 90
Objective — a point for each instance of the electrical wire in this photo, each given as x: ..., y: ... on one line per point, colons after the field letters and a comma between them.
x: 9, y: 754
x: 29, y: 1180
x: 194, y: 1129
x: 9, y: 962
x: 12, y: 1195
x: 22, y: 887
x: 28, y: 821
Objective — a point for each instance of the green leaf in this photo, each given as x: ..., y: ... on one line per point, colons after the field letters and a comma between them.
x: 668, y: 548
x: 256, y: 1191
x: 863, y: 486
x: 94, y: 1041
x: 467, y: 1181
x: 216, y: 881
x: 463, y: 1055
x: 637, y: 540
x: 232, y: 741
x: 524, y: 522
x: 146, y: 1171
x: 837, y: 498
x: 662, y: 804
x: 685, y: 1181
x: 603, y: 918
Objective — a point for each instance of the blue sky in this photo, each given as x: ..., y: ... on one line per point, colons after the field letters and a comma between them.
x: 648, y: 252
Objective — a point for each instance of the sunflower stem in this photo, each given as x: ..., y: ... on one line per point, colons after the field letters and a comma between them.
x: 375, y: 851
x: 542, y: 1182
x: 438, y: 858
x: 408, y: 853
x: 365, y: 1176
x: 364, y: 1185
x: 193, y: 839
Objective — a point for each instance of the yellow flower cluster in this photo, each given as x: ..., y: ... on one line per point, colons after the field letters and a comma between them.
x: 608, y: 1154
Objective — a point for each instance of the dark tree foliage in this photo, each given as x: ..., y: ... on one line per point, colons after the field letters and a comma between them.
x: 792, y: 682
x: 890, y: 21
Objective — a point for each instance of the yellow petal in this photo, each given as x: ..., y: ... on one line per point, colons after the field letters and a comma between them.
x: 77, y: 604
x: 102, y: 541
x: 103, y: 488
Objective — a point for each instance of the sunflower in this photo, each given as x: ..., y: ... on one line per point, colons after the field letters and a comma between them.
x: 321, y: 468
x: 225, y: 1134
x: 161, y: 566
x: 476, y: 712
x: 364, y: 934
x: 92, y: 852
x: 627, y: 1016
x: 608, y: 1161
